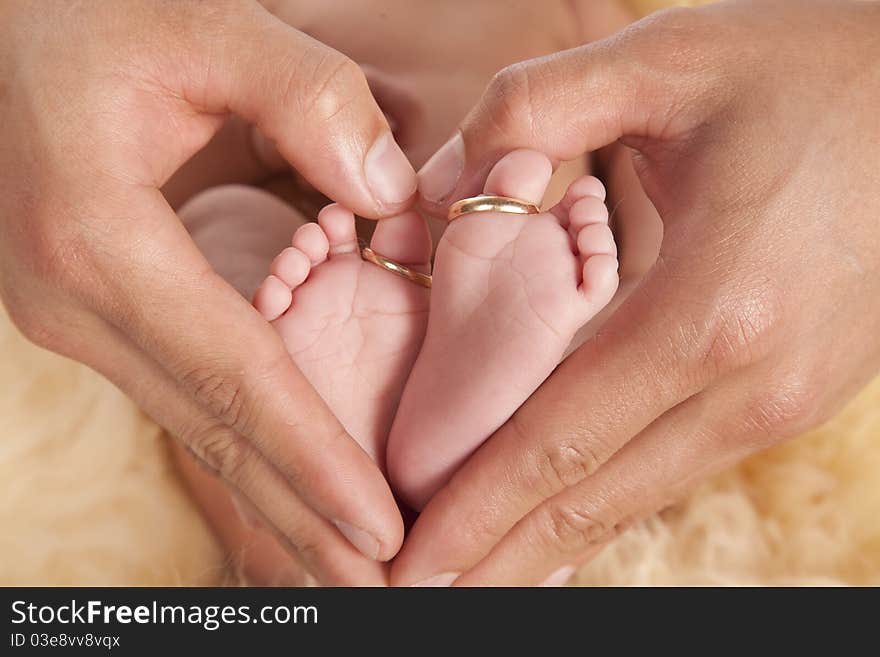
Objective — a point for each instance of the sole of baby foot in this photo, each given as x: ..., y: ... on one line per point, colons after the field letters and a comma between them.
x: 509, y: 293
x: 316, y: 279
x: 353, y: 328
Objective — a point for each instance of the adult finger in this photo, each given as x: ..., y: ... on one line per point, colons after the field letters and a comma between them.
x: 573, y: 102
x: 649, y: 358
x: 164, y: 296
x: 649, y: 473
x: 114, y: 248
x: 324, y: 553
x: 322, y: 550
x: 311, y: 100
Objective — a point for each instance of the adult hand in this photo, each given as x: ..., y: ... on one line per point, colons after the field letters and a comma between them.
x: 755, y: 131
x: 99, y: 104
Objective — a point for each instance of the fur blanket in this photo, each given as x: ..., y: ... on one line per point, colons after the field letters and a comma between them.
x: 90, y: 497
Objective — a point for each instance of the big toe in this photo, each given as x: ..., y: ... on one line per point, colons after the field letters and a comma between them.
x: 404, y: 238
x: 523, y: 174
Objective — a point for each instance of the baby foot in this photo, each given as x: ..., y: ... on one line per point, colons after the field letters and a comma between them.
x: 351, y: 327
x: 240, y: 230
x: 509, y: 294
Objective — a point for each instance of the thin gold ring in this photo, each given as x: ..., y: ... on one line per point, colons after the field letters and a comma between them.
x: 490, y: 203
x: 395, y: 267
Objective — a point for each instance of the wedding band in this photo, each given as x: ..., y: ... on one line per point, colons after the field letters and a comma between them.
x: 490, y: 203
x: 395, y: 267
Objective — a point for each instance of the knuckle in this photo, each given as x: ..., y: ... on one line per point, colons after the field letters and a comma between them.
x: 788, y: 408
x: 222, y: 451
x: 222, y: 394
x: 208, y: 19
x: 681, y: 49
x: 231, y: 390
x: 509, y: 81
x: 739, y: 333
x: 678, y: 34
x: 570, y: 528
x: 333, y: 83
x: 673, y: 18
x: 565, y: 458
x: 507, y: 100
x: 567, y: 462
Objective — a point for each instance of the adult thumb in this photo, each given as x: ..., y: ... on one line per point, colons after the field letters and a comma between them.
x: 636, y: 84
x: 311, y: 100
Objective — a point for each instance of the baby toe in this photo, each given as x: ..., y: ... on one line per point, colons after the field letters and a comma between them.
x: 311, y: 240
x: 523, y: 174
x: 291, y: 266
x: 582, y: 187
x: 586, y: 211
x: 404, y: 238
x: 596, y: 239
x: 339, y: 227
x: 599, y: 281
x: 272, y: 298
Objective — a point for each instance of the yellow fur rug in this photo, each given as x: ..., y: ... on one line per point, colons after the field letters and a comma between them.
x: 89, y: 496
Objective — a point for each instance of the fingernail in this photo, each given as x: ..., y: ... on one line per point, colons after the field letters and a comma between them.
x: 366, y: 544
x: 439, y: 176
x: 389, y: 174
x: 443, y: 579
x: 559, y: 577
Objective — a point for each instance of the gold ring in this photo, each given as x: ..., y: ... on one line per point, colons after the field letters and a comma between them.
x: 490, y: 203
x: 395, y: 267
